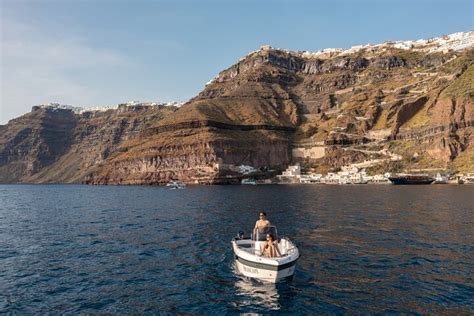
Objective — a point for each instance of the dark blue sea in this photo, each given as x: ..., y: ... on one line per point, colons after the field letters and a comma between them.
x: 67, y: 249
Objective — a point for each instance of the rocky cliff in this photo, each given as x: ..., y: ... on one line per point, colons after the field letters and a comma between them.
x: 58, y: 145
x: 408, y: 99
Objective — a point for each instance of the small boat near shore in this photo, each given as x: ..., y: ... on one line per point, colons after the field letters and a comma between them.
x: 248, y: 182
x: 411, y: 179
x: 176, y: 185
x: 467, y: 179
x: 439, y: 179
x: 251, y: 263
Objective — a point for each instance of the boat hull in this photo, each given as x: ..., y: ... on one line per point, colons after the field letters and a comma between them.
x: 253, y: 265
x: 411, y: 180
x: 263, y: 273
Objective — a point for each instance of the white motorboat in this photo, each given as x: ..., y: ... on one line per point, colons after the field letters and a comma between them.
x: 176, y: 185
x: 251, y: 263
x: 467, y: 179
x: 439, y: 179
x: 248, y: 181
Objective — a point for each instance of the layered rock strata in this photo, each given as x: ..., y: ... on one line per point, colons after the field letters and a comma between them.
x: 411, y: 101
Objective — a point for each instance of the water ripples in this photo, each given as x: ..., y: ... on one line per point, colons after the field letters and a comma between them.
x: 84, y: 249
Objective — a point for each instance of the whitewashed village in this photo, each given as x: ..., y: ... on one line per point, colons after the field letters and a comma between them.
x: 347, y: 175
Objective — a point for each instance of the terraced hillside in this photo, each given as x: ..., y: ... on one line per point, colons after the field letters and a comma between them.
x: 411, y: 100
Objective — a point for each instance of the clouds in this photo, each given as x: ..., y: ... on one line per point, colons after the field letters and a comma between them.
x: 104, y: 52
x: 39, y: 66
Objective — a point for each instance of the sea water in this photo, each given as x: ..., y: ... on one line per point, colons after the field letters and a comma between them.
x: 142, y: 249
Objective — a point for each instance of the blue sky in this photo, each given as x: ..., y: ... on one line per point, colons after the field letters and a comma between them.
x: 103, y: 52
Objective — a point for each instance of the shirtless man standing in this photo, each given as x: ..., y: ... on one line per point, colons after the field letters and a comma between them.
x: 261, y: 223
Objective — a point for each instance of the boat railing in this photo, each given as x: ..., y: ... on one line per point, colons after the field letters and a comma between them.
x: 261, y: 234
x: 291, y: 247
x: 291, y: 250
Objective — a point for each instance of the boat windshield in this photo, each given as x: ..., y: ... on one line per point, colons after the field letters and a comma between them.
x: 261, y: 234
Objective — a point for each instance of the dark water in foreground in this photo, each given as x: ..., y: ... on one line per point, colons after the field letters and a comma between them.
x: 365, y: 249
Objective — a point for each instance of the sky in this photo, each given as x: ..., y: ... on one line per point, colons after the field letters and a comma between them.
x: 104, y: 52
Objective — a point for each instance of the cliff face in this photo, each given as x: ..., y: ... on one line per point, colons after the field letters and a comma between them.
x: 33, y: 142
x: 194, y: 156
x: 57, y: 145
x: 371, y: 104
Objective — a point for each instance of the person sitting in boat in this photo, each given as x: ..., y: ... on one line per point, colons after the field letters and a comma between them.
x: 270, y: 248
x: 261, y: 224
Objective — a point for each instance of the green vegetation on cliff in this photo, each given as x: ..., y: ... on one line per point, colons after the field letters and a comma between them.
x: 462, y: 86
